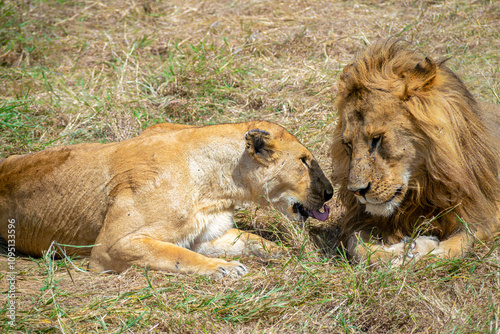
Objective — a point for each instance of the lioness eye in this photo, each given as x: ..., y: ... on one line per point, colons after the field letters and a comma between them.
x: 304, y: 161
x: 375, y: 141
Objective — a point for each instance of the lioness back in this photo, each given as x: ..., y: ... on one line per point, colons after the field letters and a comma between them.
x: 47, y: 193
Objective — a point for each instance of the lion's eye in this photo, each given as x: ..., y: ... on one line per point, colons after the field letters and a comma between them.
x: 304, y: 161
x: 375, y: 142
x: 347, y: 147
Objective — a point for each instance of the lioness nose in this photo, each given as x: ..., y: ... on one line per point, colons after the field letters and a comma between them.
x: 359, y: 190
x: 328, y: 194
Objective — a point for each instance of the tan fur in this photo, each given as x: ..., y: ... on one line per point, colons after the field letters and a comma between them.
x: 164, y: 200
x: 416, y: 156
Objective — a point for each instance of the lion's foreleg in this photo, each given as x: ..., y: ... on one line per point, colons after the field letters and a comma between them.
x: 454, y: 247
x: 238, y: 243
x: 361, y: 247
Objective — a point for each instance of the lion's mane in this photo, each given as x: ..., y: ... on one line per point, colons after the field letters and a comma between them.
x: 461, y: 157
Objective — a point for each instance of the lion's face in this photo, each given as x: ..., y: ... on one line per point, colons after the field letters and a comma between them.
x: 412, y: 144
x: 379, y: 139
x: 290, y: 178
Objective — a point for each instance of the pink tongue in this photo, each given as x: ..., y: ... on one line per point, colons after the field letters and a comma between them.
x: 321, y: 216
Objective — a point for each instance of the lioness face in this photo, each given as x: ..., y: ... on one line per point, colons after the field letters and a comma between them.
x: 307, y: 188
x: 293, y: 181
x: 377, y: 136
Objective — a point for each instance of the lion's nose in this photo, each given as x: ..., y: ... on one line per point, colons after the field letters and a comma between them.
x: 359, y: 190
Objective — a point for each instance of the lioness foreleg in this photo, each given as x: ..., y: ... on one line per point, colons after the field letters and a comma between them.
x: 238, y: 243
x: 163, y: 256
x: 126, y: 239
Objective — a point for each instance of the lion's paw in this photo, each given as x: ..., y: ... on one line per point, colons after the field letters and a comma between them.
x: 423, y: 245
x: 415, y: 248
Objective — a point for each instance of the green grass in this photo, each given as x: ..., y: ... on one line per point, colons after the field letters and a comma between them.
x: 75, y: 72
x: 292, y: 295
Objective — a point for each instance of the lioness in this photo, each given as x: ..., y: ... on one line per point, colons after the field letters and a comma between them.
x: 416, y: 156
x: 164, y: 199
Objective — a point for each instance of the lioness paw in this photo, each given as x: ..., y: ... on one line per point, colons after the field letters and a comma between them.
x: 266, y: 251
x: 232, y: 269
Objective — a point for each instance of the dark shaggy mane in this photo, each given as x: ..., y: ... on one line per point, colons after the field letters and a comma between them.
x: 462, y: 158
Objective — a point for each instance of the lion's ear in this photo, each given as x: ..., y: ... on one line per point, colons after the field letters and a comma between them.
x: 347, y: 83
x: 344, y: 76
x: 420, y: 79
x: 261, y: 146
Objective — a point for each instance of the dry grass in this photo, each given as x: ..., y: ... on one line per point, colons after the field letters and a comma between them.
x: 81, y: 71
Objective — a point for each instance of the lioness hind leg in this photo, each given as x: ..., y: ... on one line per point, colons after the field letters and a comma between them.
x: 237, y: 243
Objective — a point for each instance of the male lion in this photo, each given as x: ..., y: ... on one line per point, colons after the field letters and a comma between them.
x: 416, y: 156
x: 164, y: 199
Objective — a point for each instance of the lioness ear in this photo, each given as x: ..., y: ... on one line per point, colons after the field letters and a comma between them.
x: 420, y: 79
x: 261, y: 146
